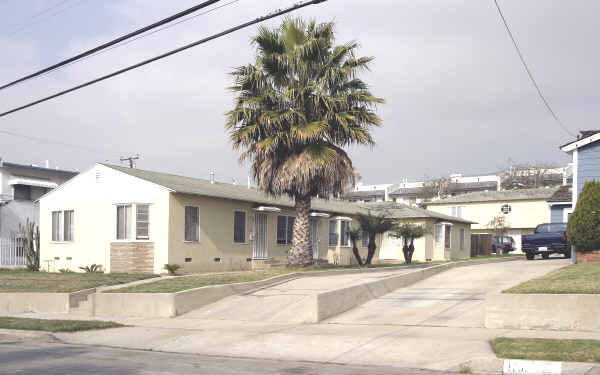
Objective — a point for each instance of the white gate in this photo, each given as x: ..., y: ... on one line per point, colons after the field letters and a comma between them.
x: 12, y: 253
x: 259, y: 250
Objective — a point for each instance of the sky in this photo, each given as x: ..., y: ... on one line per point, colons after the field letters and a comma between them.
x: 458, y: 99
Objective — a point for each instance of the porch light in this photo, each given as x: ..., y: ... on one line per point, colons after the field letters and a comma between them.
x: 267, y: 209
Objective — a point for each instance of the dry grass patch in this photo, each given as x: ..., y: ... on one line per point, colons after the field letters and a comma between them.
x: 23, y: 281
x: 48, y: 325
x: 547, y: 349
x: 574, y: 279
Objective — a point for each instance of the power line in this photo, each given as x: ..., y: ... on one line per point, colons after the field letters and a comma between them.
x: 51, y: 141
x: 114, y: 41
x: 39, y: 17
x: 277, y: 13
x: 124, y: 43
x: 533, y: 81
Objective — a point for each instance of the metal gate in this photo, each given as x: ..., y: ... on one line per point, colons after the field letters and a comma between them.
x: 259, y: 249
x: 314, y: 237
x: 12, y: 253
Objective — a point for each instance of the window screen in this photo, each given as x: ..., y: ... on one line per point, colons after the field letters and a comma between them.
x: 192, y: 224
x: 239, y: 227
x: 142, y: 221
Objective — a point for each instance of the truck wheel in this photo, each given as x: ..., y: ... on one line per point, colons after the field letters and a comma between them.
x: 529, y: 256
x: 568, y: 254
x: 545, y: 255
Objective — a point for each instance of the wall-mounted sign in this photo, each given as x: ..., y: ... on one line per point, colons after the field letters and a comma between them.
x: 506, y: 209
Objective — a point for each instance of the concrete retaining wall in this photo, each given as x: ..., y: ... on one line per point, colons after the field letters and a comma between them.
x: 15, y: 303
x: 577, y: 312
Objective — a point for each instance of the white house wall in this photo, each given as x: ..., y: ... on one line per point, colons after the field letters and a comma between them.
x: 93, y: 196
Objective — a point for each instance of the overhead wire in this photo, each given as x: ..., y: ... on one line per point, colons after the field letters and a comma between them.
x: 274, y: 14
x: 40, y: 17
x: 533, y: 81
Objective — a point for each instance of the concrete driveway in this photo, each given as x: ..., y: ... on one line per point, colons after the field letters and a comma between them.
x: 436, y: 324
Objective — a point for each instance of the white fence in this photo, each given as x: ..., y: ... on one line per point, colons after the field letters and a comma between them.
x: 12, y: 253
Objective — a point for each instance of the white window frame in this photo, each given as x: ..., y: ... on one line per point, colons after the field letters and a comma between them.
x: 137, y: 222
x: 288, y: 230
x: 437, y: 239
x: 245, y: 242
x: 348, y: 242
x: 184, y: 226
x: 131, y: 226
x: 128, y: 230
x: 59, y: 230
x: 337, y: 232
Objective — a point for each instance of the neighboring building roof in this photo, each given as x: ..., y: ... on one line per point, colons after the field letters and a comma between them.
x: 196, y: 186
x: 466, y: 186
x: 504, y: 195
x: 406, y: 191
x: 23, y: 167
x: 402, y: 211
x: 366, y: 194
x: 563, y: 194
x: 585, y: 137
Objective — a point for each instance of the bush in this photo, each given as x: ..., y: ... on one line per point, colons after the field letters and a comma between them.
x: 583, y: 230
x: 172, y: 268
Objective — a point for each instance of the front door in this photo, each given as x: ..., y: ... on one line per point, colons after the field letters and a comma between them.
x: 314, y: 237
x: 259, y: 250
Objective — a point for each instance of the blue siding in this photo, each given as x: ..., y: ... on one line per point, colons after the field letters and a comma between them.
x: 556, y: 213
x: 588, y: 167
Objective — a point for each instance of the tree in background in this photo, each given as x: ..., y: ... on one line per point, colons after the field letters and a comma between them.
x: 297, y: 106
x: 434, y: 188
x: 408, y: 233
x: 499, y: 225
x: 529, y: 176
x: 583, y: 229
x: 371, y: 225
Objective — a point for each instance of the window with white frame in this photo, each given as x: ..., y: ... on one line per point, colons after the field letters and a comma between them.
x: 239, y: 227
x: 63, y: 225
x: 285, y: 229
x: 142, y: 221
x: 192, y: 224
x: 123, y: 222
x: 457, y: 211
x: 437, y: 235
x: 448, y: 236
x: 333, y: 233
x: 462, y: 239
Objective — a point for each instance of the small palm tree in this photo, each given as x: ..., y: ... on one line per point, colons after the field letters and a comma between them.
x: 355, y: 234
x: 371, y: 225
x: 297, y: 106
x: 408, y: 233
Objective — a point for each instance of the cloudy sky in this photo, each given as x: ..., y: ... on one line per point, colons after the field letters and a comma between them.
x: 458, y: 99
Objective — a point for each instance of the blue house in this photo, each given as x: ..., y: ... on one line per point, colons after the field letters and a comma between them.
x: 585, y: 151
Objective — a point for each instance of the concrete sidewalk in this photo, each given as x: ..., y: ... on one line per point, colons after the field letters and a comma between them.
x: 435, y: 324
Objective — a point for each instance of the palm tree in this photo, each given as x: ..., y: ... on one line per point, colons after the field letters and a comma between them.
x: 408, y: 233
x: 355, y: 234
x: 297, y: 106
x: 371, y: 225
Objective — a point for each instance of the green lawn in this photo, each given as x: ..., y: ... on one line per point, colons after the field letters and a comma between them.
x: 574, y: 279
x: 28, y: 324
x: 547, y: 349
x: 16, y: 281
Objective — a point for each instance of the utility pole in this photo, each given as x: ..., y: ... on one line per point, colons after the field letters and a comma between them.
x: 131, y: 160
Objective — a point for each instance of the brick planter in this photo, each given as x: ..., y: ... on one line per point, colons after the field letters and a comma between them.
x: 588, y: 256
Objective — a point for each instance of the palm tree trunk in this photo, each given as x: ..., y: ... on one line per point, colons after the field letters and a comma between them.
x: 301, y: 253
x: 372, y: 247
x: 356, y: 253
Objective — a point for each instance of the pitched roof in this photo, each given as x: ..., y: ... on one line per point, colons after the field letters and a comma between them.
x: 23, y: 167
x: 504, y: 195
x: 401, y: 211
x: 563, y: 194
x: 366, y: 194
x: 583, y: 134
x: 197, y: 186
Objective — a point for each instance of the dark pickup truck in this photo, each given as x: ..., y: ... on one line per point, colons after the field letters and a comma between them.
x: 547, y: 239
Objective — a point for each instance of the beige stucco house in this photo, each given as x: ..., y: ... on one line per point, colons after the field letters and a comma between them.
x: 523, y: 209
x: 132, y: 220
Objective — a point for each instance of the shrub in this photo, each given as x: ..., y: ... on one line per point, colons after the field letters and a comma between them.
x: 94, y: 268
x: 583, y: 230
x: 65, y: 270
x: 172, y: 268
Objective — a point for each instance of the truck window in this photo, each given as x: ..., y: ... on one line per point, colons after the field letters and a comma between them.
x: 559, y: 227
x: 542, y: 228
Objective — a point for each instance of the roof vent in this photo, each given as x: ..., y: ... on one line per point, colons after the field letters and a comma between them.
x: 97, y: 177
